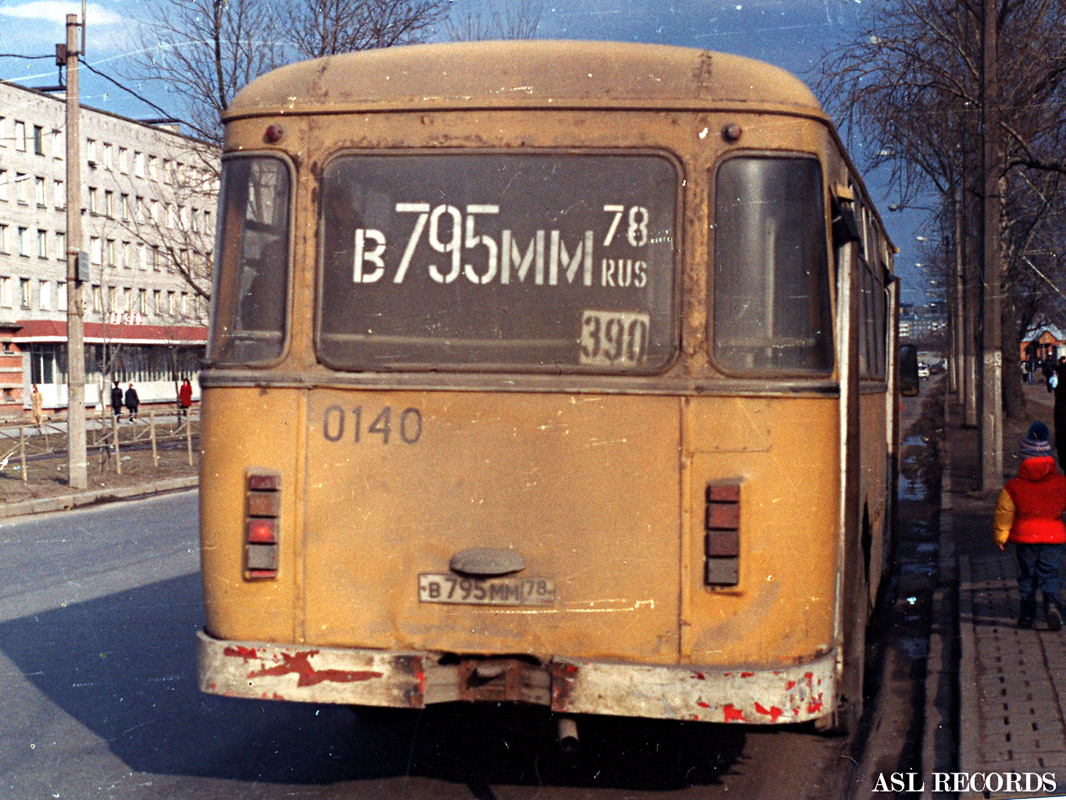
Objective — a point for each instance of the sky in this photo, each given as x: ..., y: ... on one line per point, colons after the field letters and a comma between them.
x: 793, y: 34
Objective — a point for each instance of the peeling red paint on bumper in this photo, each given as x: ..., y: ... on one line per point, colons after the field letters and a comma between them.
x: 263, y: 670
x: 779, y: 695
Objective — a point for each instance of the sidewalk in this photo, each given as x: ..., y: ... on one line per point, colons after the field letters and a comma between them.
x: 1012, y: 683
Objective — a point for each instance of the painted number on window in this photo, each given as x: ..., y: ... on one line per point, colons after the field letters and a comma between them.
x: 614, y: 338
x: 360, y: 425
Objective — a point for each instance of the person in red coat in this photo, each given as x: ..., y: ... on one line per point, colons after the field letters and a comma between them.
x: 185, y: 397
x: 1029, y: 514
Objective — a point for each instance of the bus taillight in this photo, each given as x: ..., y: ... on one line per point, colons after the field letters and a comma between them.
x: 722, y: 535
x: 262, y: 508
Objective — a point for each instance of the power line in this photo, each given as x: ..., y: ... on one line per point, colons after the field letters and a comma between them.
x: 20, y: 55
x: 124, y: 88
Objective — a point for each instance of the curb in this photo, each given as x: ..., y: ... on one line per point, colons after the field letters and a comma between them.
x: 67, y: 502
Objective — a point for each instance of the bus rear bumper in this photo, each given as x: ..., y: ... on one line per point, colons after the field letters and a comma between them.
x: 269, y: 671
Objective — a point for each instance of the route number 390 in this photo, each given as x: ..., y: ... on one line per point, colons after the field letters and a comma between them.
x: 388, y: 424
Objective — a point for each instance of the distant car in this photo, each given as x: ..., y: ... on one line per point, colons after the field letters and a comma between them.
x: 923, y: 370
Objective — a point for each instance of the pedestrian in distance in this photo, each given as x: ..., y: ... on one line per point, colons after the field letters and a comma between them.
x: 132, y: 401
x: 36, y: 405
x: 184, y: 397
x: 116, y: 399
x: 1058, y: 379
x: 1029, y: 515
x: 1047, y: 370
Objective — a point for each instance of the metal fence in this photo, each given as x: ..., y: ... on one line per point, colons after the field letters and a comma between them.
x: 104, y: 433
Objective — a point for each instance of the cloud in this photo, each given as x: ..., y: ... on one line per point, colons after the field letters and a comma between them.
x: 57, y: 10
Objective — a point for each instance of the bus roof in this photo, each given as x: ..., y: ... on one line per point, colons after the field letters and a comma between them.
x: 536, y: 73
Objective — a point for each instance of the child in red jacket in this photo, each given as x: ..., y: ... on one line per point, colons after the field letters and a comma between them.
x: 1029, y: 514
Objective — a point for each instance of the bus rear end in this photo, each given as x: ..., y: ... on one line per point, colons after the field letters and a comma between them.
x: 466, y: 437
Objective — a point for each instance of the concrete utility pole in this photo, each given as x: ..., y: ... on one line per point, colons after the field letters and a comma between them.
x: 76, y: 455
x: 991, y: 429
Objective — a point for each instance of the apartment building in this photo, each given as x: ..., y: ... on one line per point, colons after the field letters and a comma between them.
x: 148, y: 197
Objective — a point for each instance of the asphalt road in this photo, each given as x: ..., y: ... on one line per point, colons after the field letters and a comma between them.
x: 98, y: 699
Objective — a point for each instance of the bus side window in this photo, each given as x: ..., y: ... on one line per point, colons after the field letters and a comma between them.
x: 251, y: 276
x: 771, y: 269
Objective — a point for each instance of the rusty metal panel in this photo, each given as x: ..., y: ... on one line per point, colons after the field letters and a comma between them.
x: 583, y: 488
x: 781, y: 605
x: 759, y: 695
x: 240, y: 428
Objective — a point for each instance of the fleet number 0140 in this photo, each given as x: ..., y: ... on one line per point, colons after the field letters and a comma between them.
x: 386, y: 426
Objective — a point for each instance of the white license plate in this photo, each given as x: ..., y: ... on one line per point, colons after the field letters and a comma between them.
x: 445, y: 588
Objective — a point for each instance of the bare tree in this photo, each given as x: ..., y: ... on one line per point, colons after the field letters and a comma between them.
x: 504, y: 19
x: 203, y: 51
x: 327, y: 27
x: 909, y: 88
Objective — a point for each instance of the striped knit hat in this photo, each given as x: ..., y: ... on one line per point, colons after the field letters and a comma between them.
x: 1035, y: 444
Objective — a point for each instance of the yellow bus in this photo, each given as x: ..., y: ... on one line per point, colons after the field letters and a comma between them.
x: 545, y: 372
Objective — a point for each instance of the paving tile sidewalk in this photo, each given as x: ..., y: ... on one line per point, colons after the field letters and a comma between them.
x: 1012, y: 683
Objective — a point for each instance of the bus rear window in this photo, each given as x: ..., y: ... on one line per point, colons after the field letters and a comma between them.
x: 252, y: 261
x: 771, y: 277
x: 530, y: 262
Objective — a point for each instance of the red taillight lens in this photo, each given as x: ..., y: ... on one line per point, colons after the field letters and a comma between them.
x: 262, y: 509
x: 263, y: 531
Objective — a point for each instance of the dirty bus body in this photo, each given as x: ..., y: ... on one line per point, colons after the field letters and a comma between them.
x: 550, y: 373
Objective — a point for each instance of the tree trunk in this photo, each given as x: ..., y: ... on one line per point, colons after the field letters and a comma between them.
x: 1013, y: 396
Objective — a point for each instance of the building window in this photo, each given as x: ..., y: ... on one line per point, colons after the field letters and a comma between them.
x: 157, y: 301
x: 92, y: 199
x: 109, y: 204
x: 123, y: 160
x: 59, y: 144
x: 111, y: 252
x: 3, y: 184
x: 24, y: 292
x: 138, y: 210
x: 5, y: 291
x: 124, y: 207
x: 24, y: 241
x: 142, y: 255
x: 127, y: 254
x: 58, y: 194
x: 3, y: 238
x: 127, y: 299
x: 112, y: 299
x: 109, y: 162
x: 45, y: 290
x: 96, y: 254
x: 20, y: 187
x: 138, y: 164
x: 172, y: 305
x: 38, y: 191
x: 20, y: 136
x: 38, y: 140
x: 155, y: 258
x: 98, y: 298
x: 153, y: 174
x: 60, y: 239
x: 42, y: 244
x: 90, y: 152
x: 61, y: 295
x: 142, y: 301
